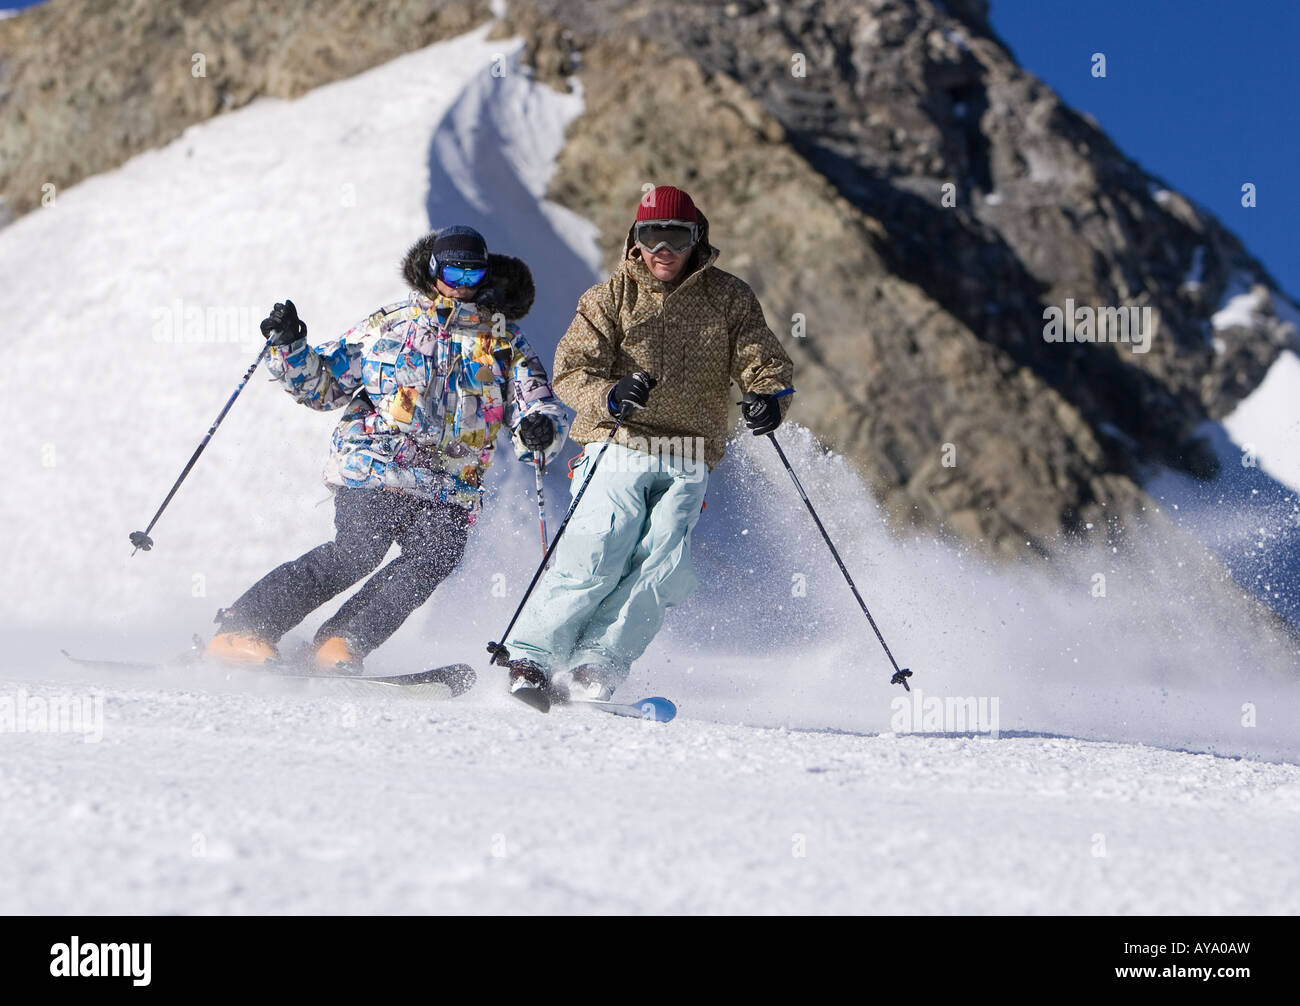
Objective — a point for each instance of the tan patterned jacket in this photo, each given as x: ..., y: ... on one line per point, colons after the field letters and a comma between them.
x: 694, y: 340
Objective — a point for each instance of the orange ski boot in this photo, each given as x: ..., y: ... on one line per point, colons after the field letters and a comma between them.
x: 241, y: 648
x: 336, y: 656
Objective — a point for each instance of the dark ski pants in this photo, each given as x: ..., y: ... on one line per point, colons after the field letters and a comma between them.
x: 366, y: 521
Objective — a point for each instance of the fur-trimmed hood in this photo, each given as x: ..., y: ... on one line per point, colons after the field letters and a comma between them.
x: 508, y: 287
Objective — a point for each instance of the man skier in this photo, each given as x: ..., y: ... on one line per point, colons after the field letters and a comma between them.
x: 659, y: 343
x: 428, y: 382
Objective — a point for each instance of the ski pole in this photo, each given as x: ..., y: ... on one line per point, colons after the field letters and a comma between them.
x: 141, y: 539
x: 900, y: 674
x: 500, y: 655
x: 540, y: 469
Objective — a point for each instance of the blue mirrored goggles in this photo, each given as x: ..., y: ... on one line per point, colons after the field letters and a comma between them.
x: 461, y: 275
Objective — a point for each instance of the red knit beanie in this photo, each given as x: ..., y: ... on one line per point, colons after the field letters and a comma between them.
x: 666, y: 202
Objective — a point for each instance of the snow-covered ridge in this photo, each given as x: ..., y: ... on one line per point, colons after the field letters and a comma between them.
x: 1247, y: 300
x: 1266, y: 423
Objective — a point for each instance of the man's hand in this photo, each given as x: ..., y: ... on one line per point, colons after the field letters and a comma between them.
x: 537, y: 432
x: 633, y: 390
x: 762, y: 412
x: 281, y: 326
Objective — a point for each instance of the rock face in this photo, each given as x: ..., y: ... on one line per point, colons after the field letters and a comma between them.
x: 86, y: 84
x: 916, y: 202
x: 905, y: 200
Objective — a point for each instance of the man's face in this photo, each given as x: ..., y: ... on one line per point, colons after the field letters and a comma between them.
x: 665, y: 265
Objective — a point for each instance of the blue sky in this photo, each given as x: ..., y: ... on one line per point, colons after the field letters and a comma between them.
x: 1202, y: 93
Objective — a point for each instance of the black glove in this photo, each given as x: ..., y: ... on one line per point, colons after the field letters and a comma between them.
x: 282, y: 326
x: 633, y: 390
x: 537, y: 432
x: 762, y: 412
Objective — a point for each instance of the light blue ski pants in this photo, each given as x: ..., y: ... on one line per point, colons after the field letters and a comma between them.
x: 624, y: 559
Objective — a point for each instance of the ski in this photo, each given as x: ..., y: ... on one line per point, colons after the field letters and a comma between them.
x: 449, y: 681
x: 459, y: 678
x: 454, y: 679
x: 125, y: 665
x: 656, y: 708
x: 535, y: 698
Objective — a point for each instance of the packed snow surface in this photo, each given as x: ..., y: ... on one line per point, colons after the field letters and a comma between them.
x: 224, y: 797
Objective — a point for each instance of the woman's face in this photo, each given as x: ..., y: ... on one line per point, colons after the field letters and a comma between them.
x: 455, y: 292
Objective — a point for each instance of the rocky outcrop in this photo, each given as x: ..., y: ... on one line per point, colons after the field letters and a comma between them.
x: 920, y: 202
x: 86, y: 84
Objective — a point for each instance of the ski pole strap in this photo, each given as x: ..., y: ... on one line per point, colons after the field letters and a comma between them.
x: 900, y: 674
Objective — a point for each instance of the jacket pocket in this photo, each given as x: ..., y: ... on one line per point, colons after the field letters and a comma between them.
x: 641, y: 348
x: 706, y: 360
x: 379, y: 367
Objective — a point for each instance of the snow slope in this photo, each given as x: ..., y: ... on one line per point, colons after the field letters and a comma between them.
x: 1147, y: 748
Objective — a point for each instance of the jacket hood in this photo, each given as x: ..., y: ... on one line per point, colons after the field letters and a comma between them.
x: 702, y: 255
x: 508, y: 287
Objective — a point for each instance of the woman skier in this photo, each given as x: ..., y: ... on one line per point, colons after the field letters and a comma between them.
x: 427, y: 383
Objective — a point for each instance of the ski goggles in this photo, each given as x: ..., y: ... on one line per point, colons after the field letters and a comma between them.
x: 461, y: 275
x: 675, y: 235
